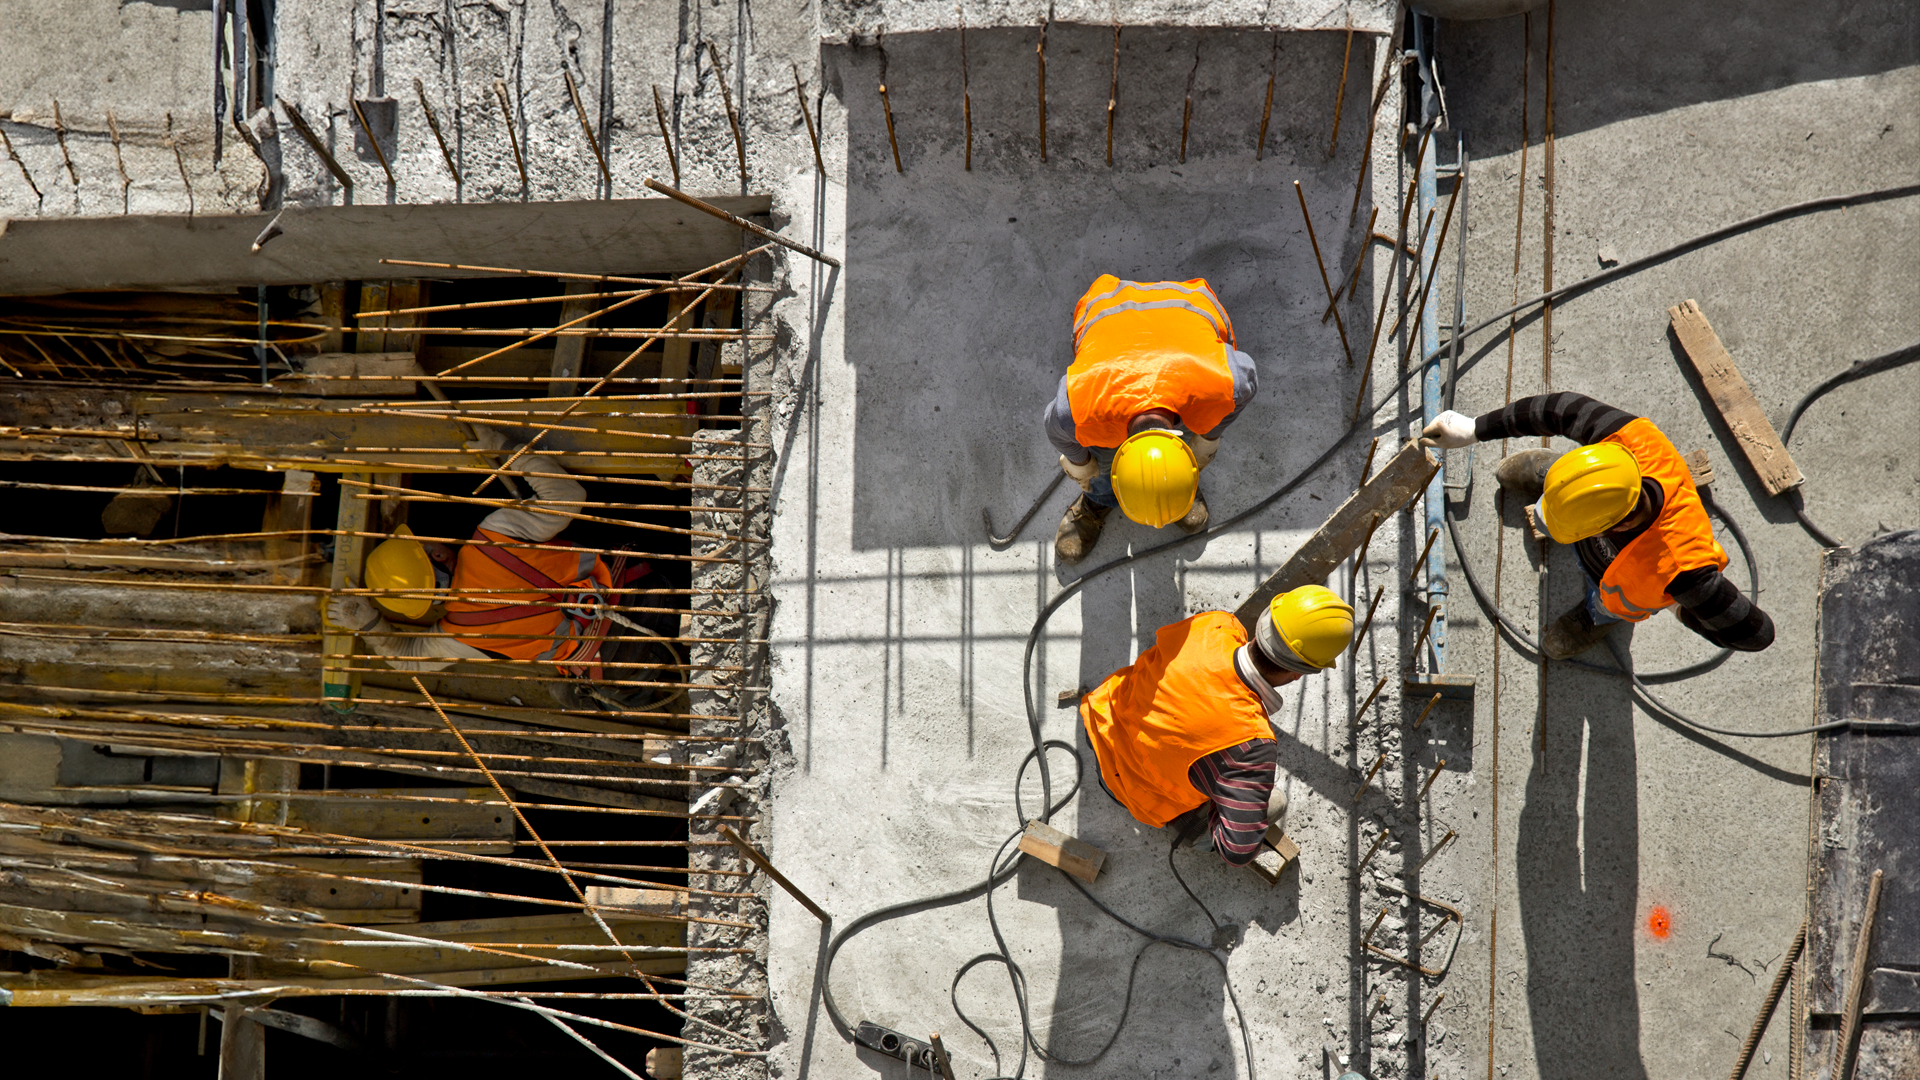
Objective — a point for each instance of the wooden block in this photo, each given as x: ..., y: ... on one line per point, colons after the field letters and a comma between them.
x: 1055, y: 848
x: 570, y: 353
x: 1533, y: 525
x: 665, y: 1063
x: 1271, y: 861
x: 1752, y: 432
x: 1700, y: 467
x: 1397, y: 483
x: 376, y: 373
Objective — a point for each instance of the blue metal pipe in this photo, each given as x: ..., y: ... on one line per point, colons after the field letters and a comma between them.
x: 1430, y: 375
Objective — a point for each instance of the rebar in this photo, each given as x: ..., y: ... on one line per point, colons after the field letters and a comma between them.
x: 1431, y: 777
x: 1351, y: 286
x: 886, y: 105
x: 666, y: 140
x: 433, y: 122
x: 306, y: 134
x: 733, y: 118
x: 60, y: 136
x: 813, y: 134
x: 1266, y: 111
x: 1414, y: 655
x: 1040, y: 51
x: 1113, y: 92
x: 1186, y: 112
x: 966, y: 91
x: 1377, y: 762
x: 1432, y: 535
x: 1423, y: 712
x: 1340, y: 99
x: 1362, y: 710
x: 586, y: 128
x: 379, y: 154
x: 513, y: 139
x: 1362, y: 865
x: 7, y: 142
x: 1444, y: 841
x: 742, y: 223
x: 119, y: 161
x: 1360, y: 557
x: 1366, y: 470
x: 1361, y: 634
x: 1301, y: 194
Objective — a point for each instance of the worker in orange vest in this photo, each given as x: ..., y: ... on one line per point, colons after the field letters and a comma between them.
x: 1182, y: 734
x: 513, y: 593
x: 1626, y: 502
x: 1149, y: 358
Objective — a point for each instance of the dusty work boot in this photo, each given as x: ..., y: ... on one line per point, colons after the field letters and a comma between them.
x: 1525, y: 474
x: 1196, y: 518
x: 1079, y: 530
x: 1573, y: 633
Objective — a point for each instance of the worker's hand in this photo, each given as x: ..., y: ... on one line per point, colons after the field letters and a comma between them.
x: 487, y: 439
x: 1203, y: 450
x: 355, y: 613
x: 1449, y: 431
x: 1083, y: 473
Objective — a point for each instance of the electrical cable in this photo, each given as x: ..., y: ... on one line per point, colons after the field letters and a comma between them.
x: 1886, y: 362
x: 999, y: 873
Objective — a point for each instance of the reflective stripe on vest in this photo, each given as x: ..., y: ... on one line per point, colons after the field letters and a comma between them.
x: 1180, y: 701
x: 523, y: 625
x: 1680, y: 539
x: 1148, y: 345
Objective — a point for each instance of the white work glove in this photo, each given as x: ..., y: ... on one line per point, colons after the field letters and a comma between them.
x: 487, y: 439
x: 1204, y: 449
x: 1449, y: 431
x: 1083, y: 473
x: 355, y: 613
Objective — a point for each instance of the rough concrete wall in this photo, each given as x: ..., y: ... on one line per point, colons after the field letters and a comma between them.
x: 844, y: 21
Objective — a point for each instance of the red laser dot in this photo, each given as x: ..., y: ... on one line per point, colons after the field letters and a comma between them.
x: 1660, y: 923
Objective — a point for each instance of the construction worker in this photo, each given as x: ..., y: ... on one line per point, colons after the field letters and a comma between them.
x: 1149, y: 358
x: 1182, y: 735
x: 1626, y: 502
x: 486, y: 618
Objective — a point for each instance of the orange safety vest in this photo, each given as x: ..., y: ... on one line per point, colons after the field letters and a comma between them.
x: 1148, y: 345
x: 1680, y: 539
x: 523, y: 625
x: 1180, y: 701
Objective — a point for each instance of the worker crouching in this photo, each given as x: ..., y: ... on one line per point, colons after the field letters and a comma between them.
x: 1149, y: 358
x: 1626, y: 502
x: 1182, y: 735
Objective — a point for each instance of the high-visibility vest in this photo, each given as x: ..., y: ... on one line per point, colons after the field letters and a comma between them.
x: 1148, y: 345
x: 1180, y: 701
x: 1680, y: 539
x: 518, y: 601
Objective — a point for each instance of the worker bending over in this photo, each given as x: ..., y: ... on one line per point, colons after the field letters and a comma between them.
x: 1626, y: 502
x: 1182, y: 735
x: 1149, y: 358
x: 515, y: 602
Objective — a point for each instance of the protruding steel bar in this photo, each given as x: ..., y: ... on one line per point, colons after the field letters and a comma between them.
x: 733, y: 118
x: 1360, y: 557
x: 513, y: 137
x: 1340, y: 99
x: 1377, y: 762
x: 1766, y: 1006
x: 308, y: 136
x: 1414, y: 656
x: 1266, y: 111
x: 1432, y: 535
x: 753, y: 856
x: 379, y: 154
x: 1322, y: 263
x: 813, y: 134
x: 741, y: 223
x: 1113, y: 92
x: 1444, y: 841
x: 586, y: 128
x: 1431, y: 777
x: 1361, y: 634
x: 666, y: 140
x: 433, y: 122
x: 966, y: 91
x: 1366, y: 470
x: 1845, y: 1045
x: 1362, y: 865
x: 1351, y: 286
x: 886, y: 104
x: 1186, y: 112
x: 1362, y: 710
x: 1041, y: 52
x: 119, y: 160
x: 1423, y: 712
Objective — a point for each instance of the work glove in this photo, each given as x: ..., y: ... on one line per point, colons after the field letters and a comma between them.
x: 1449, y: 431
x: 1203, y: 450
x: 355, y: 613
x: 1084, y: 473
x: 487, y: 439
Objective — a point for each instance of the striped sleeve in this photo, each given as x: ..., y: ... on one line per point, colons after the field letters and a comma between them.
x: 1714, y: 608
x: 1239, y: 781
x: 1573, y: 416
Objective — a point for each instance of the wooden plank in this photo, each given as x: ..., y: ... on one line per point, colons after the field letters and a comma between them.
x: 1753, y: 433
x: 291, y: 511
x: 333, y: 304
x: 370, y: 817
x: 370, y: 334
x: 337, y: 684
x: 570, y: 353
x: 676, y: 361
x: 249, y: 777
x: 1056, y: 848
x: 1396, y: 484
x: 243, y: 1046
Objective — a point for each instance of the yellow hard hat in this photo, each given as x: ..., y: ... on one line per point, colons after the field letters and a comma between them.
x: 1314, y: 623
x: 401, y: 564
x: 1589, y: 491
x: 1155, y: 477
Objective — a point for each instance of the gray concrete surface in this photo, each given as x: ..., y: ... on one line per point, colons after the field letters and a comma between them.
x: 907, y: 393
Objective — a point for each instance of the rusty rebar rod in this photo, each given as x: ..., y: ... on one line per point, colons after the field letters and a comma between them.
x: 1431, y: 777
x: 1186, y: 112
x: 1266, y: 111
x: 1325, y: 283
x: 1360, y: 557
x: 119, y: 161
x: 1844, y: 1045
x: 26, y: 175
x: 739, y: 222
x: 666, y: 140
x: 1414, y: 656
x: 753, y: 856
x: 1432, y: 535
x: 966, y: 91
x: 1340, y: 99
x: 1767, y: 1005
x: 1439, y: 245
x: 379, y: 154
x: 1366, y: 470
x: 682, y: 284
x: 1435, y: 700
x: 1351, y: 286
x: 1113, y: 92
x: 1444, y: 841
x: 60, y: 136
x: 1361, y: 634
x: 1362, y: 865
x: 513, y: 138
x: 1040, y: 51
x: 308, y: 136
x: 586, y: 128
x: 1377, y: 762
x: 733, y: 118
x: 433, y: 122
x: 1362, y: 710
x: 813, y: 134
x: 886, y: 104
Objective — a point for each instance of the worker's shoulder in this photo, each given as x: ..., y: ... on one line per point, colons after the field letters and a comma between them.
x: 1212, y: 624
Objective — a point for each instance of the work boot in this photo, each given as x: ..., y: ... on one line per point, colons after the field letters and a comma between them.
x: 1196, y: 518
x: 1525, y: 474
x: 1079, y: 530
x: 1573, y: 633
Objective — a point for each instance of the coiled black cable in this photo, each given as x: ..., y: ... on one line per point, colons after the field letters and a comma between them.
x: 1886, y: 362
x: 1001, y: 870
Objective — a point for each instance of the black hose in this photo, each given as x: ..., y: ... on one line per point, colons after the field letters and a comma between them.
x: 1001, y: 873
x: 1886, y: 362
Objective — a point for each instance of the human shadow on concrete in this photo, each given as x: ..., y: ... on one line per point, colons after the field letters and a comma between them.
x: 1618, y: 61
x: 1577, y: 868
